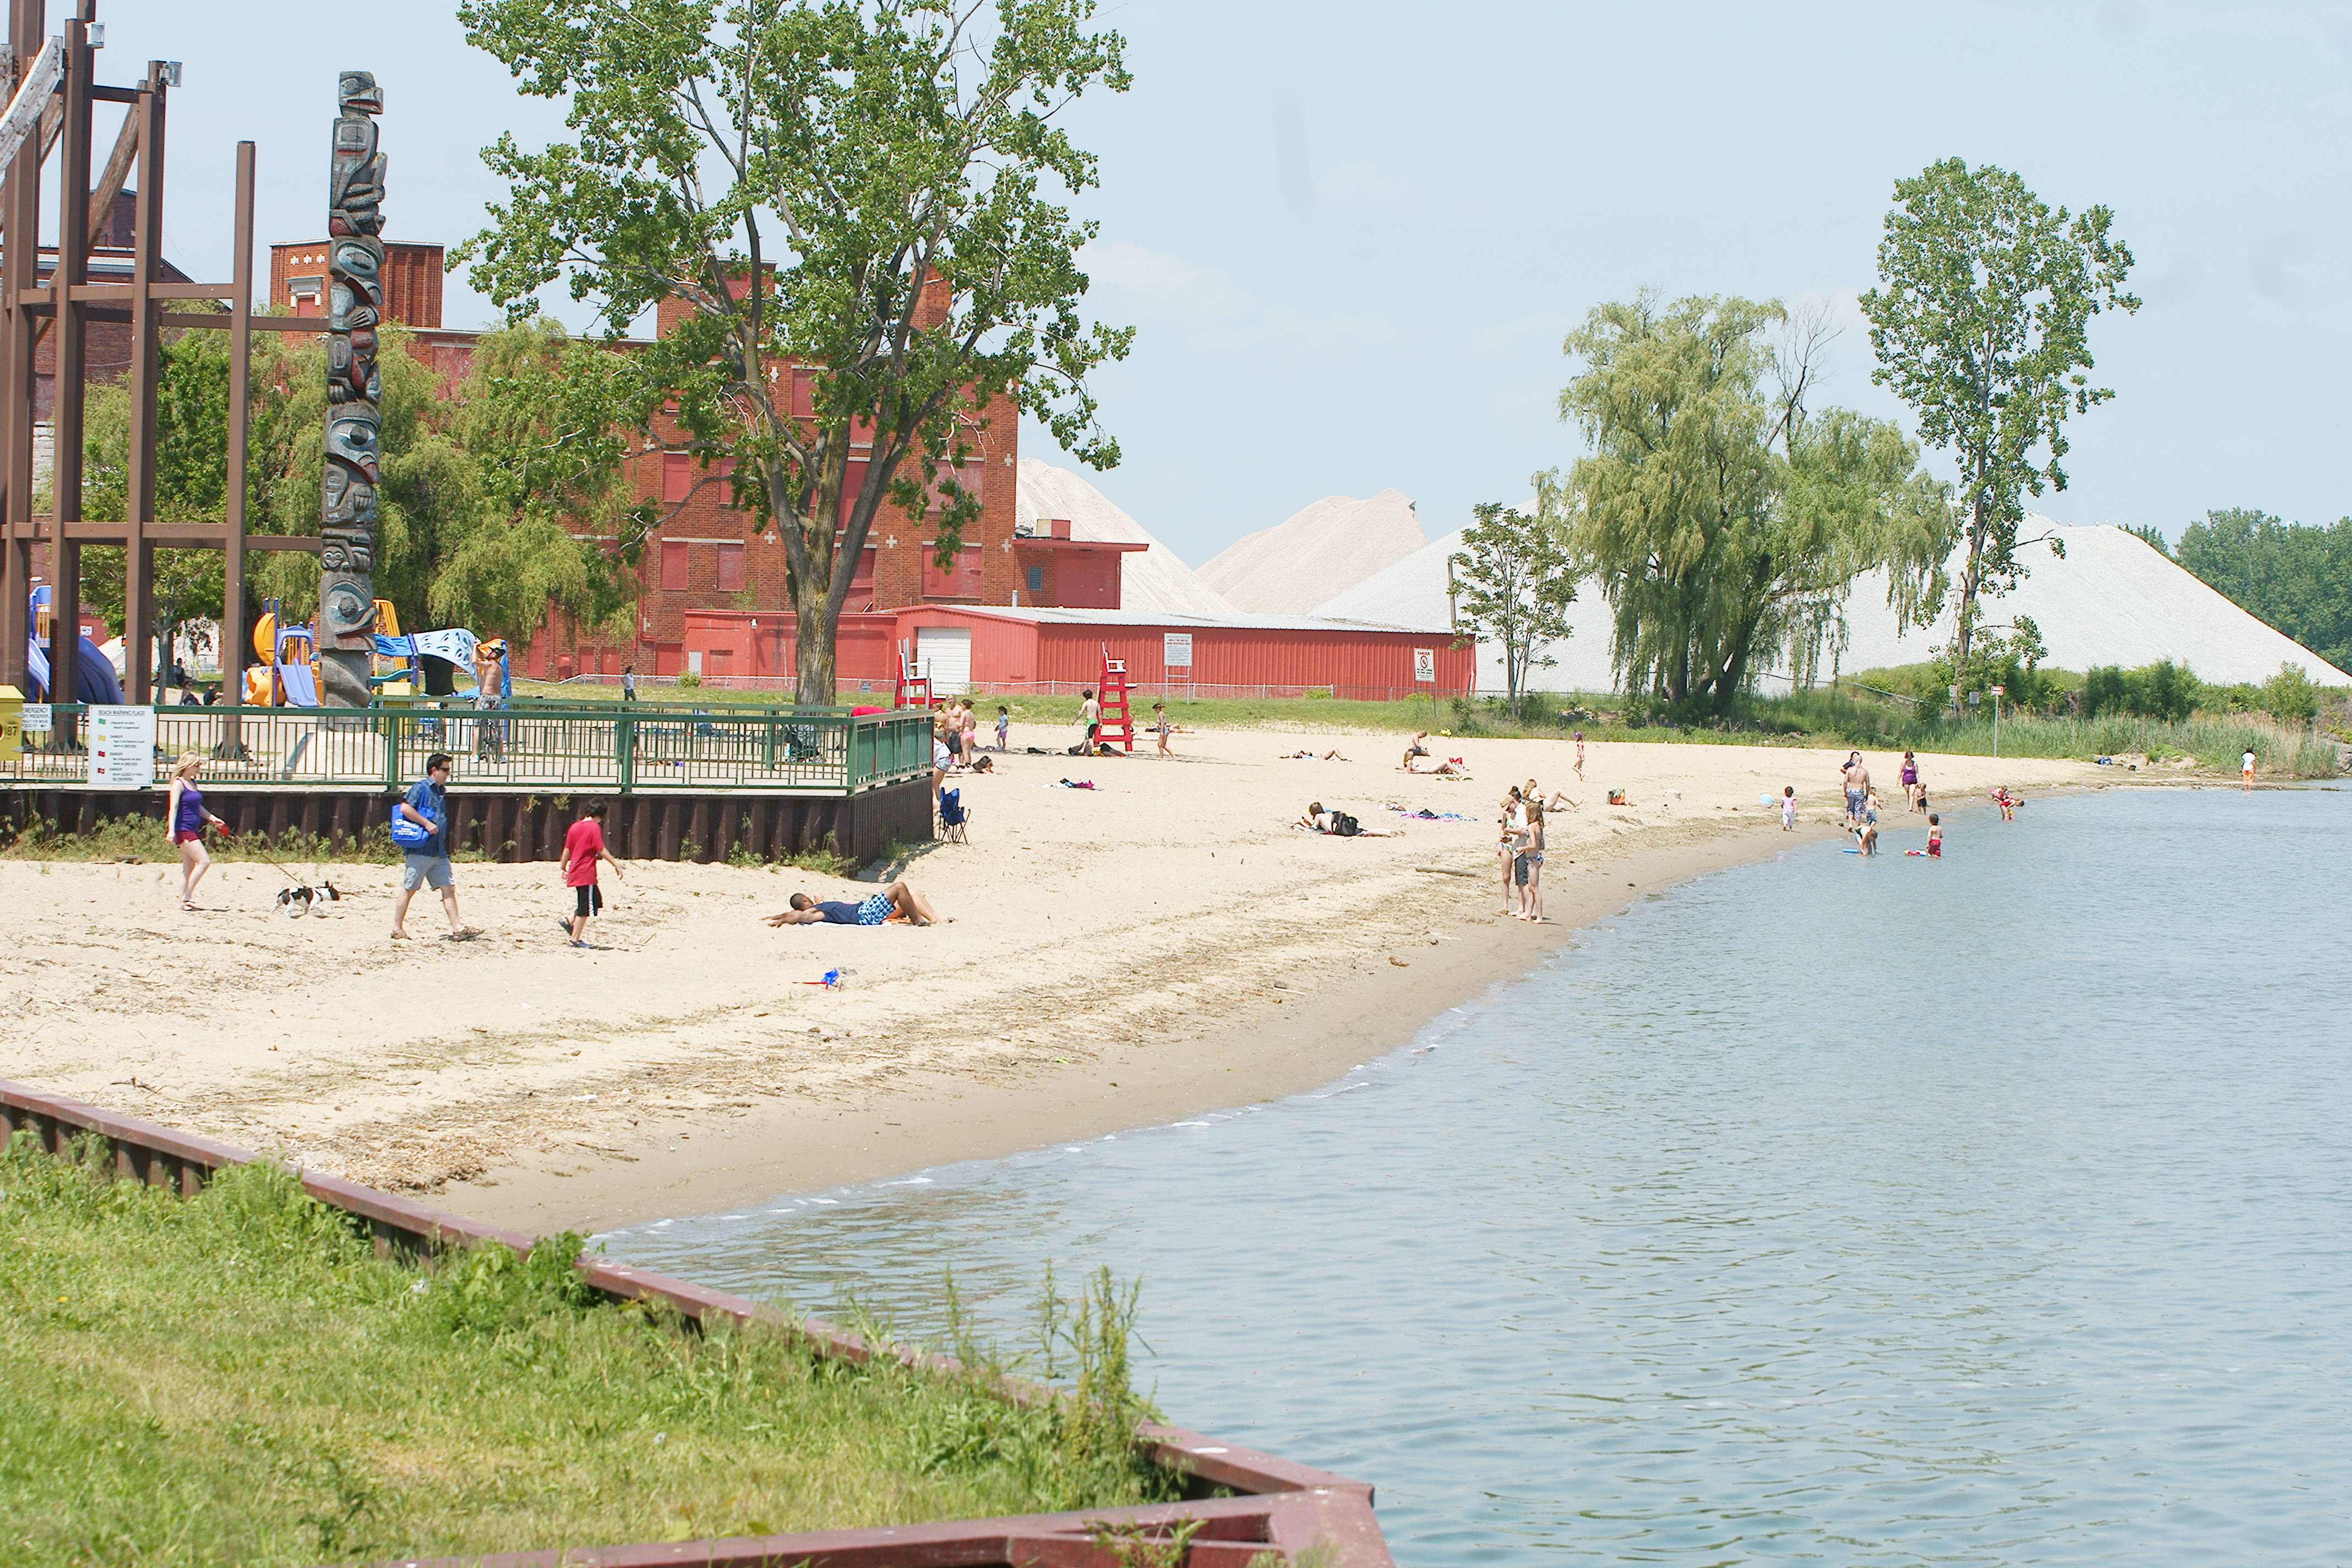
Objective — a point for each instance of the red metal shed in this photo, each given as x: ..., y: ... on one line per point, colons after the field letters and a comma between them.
x: 1025, y: 649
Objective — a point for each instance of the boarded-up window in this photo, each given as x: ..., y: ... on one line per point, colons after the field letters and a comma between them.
x: 731, y: 568
x: 673, y: 564
x: 719, y: 661
x: 678, y: 476
x: 804, y: 392
x: 861, y: 582
x: 960, y: 580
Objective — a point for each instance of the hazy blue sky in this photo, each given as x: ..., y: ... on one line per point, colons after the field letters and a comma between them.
x: 1352, y: 235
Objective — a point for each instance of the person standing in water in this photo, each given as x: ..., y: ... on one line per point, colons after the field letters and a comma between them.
x: 1935, y: 837
x: 183, y: 811
x: 2246, y: 767
x: 1912, y: 791
x: 1857, y: 787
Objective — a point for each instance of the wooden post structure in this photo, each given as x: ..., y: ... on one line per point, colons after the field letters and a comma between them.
x: 20, y: 198
x: 50, y: 97
x: 65, y: 416
x: 146, y: 343
x: 234, y: 632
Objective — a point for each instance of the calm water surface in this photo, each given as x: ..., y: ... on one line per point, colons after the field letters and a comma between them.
x: 1991, y: 1211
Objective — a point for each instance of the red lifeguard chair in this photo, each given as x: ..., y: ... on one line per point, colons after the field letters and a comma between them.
x: 914, y: 690
x: 1118, y: 724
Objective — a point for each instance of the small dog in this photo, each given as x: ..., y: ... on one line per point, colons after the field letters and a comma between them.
x: 296, y: 900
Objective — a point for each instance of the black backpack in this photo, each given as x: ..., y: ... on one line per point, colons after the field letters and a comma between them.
x: 1344, y: 826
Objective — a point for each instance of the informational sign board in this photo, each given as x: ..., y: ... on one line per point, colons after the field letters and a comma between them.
x: 1178, y: 650
x: 1424, y: 665
x: 2000, y: 692
x: 122, y: 746
x: 36, y: 718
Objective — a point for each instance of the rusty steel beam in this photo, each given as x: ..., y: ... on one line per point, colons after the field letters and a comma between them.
x: 146, y: 121
x: 66, y: 418
x: 19, y: 208
x: 1287, y: 1510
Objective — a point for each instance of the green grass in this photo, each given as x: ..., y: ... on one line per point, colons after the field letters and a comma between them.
x: 236, y: 1378
x: 143, y: 839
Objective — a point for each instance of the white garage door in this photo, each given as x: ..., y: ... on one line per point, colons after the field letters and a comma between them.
x: 944, y: 653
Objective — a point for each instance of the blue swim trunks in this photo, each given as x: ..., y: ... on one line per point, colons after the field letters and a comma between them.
x: 874, y: 911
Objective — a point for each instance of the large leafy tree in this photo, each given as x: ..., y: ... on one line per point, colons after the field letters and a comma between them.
x: 1723, y: 519
x: 2298, y: 579
x: 871, y: 189
x: 1513, y: 583
x: 1980, y: 322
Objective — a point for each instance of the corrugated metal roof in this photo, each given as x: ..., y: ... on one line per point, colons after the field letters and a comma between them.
x: 1178, y: 621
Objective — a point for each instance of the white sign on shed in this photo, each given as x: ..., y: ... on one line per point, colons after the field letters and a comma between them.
x: 1176, y: 650
x: 1424, y: 665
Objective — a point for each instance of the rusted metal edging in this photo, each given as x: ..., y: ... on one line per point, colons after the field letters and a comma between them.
x: 1284, y: 1508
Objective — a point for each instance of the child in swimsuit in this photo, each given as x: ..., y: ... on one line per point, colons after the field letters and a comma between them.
x: 1935, y: 837
x: 1789, y: 809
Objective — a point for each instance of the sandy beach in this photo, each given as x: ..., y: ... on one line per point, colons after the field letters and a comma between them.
x: 1158, y: 946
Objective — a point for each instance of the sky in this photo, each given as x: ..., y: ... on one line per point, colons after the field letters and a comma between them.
x: 1352, y: 237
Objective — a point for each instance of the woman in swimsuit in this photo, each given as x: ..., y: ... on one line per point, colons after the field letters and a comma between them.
x: 183, y: 809
x: 1530, y: 870
x: 1912, y: 792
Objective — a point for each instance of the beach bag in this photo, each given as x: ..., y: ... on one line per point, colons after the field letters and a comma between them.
x: 407, y: 835
x: 1344, y: 826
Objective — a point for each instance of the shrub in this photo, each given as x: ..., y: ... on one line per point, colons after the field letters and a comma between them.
x: 2290, y: 697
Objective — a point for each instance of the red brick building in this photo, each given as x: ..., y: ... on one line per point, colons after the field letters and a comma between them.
x: 712, y: 596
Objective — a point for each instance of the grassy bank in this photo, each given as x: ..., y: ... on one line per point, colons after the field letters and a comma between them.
x: 236, y: 1378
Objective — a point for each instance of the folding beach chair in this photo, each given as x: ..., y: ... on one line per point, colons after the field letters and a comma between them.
x: 953, y: 817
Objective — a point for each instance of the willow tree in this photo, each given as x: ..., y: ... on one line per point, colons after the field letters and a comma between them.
x: 1981, y: 325
x: 1724, y: 522
x: 870, y: 189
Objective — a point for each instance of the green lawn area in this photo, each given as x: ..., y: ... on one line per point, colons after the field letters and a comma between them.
x: 236, y: 1378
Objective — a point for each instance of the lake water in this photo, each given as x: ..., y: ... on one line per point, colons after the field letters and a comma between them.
x: 1988, y: 1210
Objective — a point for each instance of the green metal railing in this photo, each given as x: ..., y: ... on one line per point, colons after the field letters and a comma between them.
x: 620, y: 750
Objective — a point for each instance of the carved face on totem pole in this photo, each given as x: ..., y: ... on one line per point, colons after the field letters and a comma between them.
x: 346, y: 629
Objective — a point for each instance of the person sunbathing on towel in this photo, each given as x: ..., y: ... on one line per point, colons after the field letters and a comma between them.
x: 898, y: 901
x: 1305, y: 756
x: 1451, y: 768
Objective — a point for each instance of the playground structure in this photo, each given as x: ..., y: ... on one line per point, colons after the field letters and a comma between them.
x: 291, y: 673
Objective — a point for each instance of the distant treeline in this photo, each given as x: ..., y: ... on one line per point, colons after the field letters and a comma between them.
x: 2165, y: 689
x: 2293, y: 577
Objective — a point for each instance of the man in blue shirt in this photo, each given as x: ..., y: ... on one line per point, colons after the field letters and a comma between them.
x: 426, y: 803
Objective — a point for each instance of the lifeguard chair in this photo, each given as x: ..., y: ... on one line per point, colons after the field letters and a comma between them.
x: 914, y: 690
x: 1111, y: 691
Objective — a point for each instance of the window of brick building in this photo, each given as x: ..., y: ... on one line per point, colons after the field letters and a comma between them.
x: 678, y: 476
x: 673, y: 564
x: 731, y: 568
x: 723, y: 470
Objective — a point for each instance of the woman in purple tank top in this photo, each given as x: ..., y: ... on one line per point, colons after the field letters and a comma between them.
x: 184, y: 814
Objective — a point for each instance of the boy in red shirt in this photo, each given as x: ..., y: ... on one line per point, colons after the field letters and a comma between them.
x: 583, y: 846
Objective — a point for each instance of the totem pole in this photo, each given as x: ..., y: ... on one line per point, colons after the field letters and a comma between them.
x: 346, y: 626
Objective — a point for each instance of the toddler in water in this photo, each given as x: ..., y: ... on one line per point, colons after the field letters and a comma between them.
x: 1935, y: 837
x: 1789, y: 809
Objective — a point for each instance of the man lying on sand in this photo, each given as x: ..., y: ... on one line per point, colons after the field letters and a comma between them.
x: 1451, y: 768
x: 1304, y: 755
x: 897, y: 902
